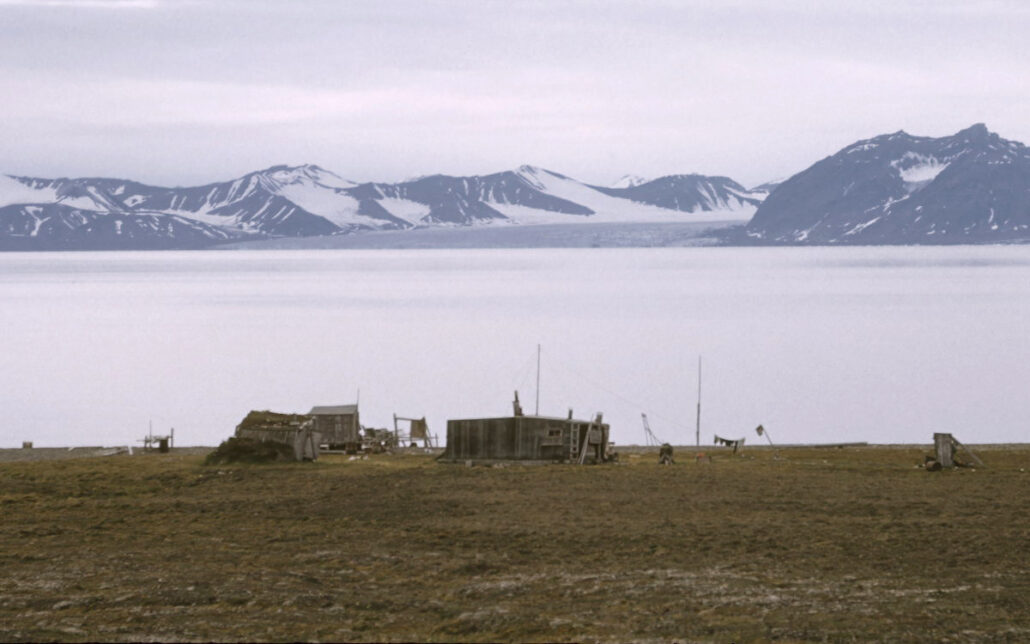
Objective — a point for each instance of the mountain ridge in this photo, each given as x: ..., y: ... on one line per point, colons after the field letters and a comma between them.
x: 897, y: 188
x: 307, y: 200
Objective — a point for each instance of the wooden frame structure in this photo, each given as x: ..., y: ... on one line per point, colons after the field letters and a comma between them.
x: 418, y: 429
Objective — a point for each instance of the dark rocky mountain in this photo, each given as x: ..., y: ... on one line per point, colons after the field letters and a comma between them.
x: 56, y: 226
x: 972, y: 187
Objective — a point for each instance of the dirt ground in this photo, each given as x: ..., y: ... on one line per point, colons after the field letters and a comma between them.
x: 12, y: 455
x: 797, y: 544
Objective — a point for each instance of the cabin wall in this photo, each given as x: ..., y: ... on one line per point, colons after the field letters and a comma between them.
x: 338, y: 429
x: 521, y: 438
x: 304, y: 441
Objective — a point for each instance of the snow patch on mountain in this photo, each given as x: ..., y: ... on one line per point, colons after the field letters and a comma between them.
x: 13, y: 191
x: 917, y: 170
x: 81, y: 202
x: 232, y: 221
x: 412, y: 212
x: 338, y: 207
x: 628, y: 181
x: 632, y: 212
x: 305, y: 175
x: 605, y: 207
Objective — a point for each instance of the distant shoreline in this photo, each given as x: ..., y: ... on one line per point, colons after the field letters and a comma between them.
x: 581, y: 235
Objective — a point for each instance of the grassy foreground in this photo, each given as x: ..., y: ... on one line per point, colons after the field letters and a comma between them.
x: 819, y: 544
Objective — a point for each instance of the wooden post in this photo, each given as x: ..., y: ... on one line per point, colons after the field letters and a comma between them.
x: 971, y: 454
x: 944, y: 447
x: 537, y: 411
x: 697, y: 432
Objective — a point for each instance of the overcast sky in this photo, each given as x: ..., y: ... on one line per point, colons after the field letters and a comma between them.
x: 183, y: 92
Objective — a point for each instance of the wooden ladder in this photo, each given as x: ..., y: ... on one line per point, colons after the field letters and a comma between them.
x: 586, y: 437
x: 573, y: 443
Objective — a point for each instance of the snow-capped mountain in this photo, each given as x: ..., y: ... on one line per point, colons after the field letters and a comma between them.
x: 692, y: 193
x: 279, y: 201
x: 308, y: 200
x: 529, y: 195
x: 628, y: 181
x: 897, y: 188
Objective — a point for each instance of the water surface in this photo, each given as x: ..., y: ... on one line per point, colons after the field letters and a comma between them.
x: 817, y: 344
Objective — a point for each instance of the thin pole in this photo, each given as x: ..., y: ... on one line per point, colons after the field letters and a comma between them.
x: 537, y: 412
x: 697, y: 436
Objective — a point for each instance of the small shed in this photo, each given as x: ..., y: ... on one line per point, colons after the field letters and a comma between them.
x: 527, y: 438
x: 339, y: 426
x: 295, y: 430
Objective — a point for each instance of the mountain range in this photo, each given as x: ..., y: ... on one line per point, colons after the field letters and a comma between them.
x: 971, y: 187
x: 282, y: 201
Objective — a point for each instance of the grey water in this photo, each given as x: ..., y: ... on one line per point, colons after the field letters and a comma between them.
x: 885, y: 345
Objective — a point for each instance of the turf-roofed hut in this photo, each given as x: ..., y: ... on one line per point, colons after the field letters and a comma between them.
x: 296, y: 430
x: 339, y: 426
x: 527, y: 438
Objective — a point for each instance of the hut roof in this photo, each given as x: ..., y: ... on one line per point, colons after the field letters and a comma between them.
x: 333, y: 410
x: 272, y: 420
x: 563, y: 419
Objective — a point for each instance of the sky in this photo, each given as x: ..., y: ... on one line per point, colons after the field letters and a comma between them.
x: 181, y: 92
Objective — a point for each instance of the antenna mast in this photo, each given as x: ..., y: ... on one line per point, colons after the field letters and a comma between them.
x: 537, y: 412
x: 697, y: 436
x: 649, y: 436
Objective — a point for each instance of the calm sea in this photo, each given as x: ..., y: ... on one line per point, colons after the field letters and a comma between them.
x: 816, y: 344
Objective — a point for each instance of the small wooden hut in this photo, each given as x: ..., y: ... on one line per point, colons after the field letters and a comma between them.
x: 339, y: 426
x: 295, y: 430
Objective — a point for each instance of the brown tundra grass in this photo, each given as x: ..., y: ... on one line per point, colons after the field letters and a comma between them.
x: 817, y: 544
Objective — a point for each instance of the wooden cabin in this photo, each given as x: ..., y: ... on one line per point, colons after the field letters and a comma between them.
x: 527, y: 438
x: 339, y: 426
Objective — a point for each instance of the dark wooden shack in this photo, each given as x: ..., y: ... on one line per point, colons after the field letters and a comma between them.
x: 527, y: 438
x: 339, y: 426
